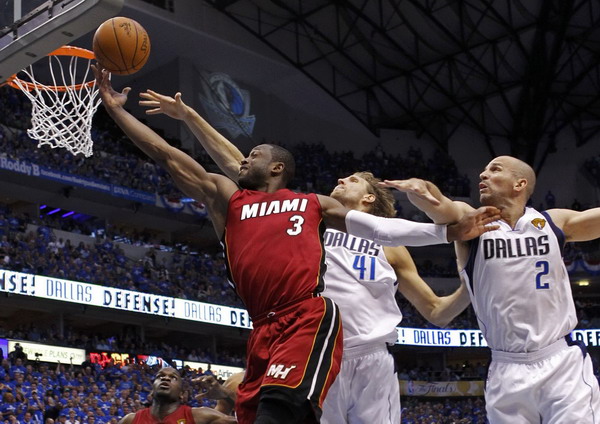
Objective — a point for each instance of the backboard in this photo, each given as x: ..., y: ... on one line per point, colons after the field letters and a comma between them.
x: 30, y: 29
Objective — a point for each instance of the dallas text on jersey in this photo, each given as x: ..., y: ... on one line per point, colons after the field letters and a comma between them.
x: 515, y: 248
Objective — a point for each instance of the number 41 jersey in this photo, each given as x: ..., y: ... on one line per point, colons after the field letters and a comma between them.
x: 519, y: 284
x: 274, y: 248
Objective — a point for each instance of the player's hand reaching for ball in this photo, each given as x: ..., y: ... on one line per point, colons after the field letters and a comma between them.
x: 170, y: 106
x: 111, y: 99
x: 474, y: 223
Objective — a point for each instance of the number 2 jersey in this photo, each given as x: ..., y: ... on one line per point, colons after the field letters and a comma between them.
x: 519, y: 285
x: 273, y: 248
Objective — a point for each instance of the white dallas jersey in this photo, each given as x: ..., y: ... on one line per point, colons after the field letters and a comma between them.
x: 519, y: 285
x: 362, y: 283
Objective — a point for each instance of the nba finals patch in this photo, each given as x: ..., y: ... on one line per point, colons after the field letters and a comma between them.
x: 539, y: 223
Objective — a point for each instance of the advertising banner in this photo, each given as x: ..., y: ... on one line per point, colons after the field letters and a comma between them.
x: 113, y: 298
x: 126, y: 300
x: 441, y: 388
x: 49, y: 353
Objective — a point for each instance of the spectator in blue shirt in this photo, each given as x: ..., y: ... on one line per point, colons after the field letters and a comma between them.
x: 17, y: 367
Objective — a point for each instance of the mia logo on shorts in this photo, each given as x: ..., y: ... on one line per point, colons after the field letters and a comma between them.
x: 279, y: 371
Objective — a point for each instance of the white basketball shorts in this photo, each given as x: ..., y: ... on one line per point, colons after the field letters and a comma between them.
x: 554, y: 386
x: 366, y: 391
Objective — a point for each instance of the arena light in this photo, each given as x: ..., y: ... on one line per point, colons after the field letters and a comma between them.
x: 583, y: 283
x: 43, y: 207
x: 68, y: 214
x: 53, y: 211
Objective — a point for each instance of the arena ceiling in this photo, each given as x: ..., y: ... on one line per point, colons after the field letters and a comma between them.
x: 521, y: 70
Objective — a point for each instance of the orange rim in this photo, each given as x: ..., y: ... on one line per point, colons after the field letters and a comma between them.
x: 61, y: 51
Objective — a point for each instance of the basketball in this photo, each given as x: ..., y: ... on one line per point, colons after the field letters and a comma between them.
x: 121, y: 45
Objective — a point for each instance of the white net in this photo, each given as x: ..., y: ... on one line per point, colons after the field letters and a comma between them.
x: 62, y: 111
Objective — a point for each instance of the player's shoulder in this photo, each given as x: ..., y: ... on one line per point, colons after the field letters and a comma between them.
x: 128, y: 419
x: 559, y: 216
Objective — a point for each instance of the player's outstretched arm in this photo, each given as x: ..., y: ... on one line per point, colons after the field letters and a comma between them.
x: 577, y: 225
x: 205, y: 415
x: 401, y: 232
x: 427, y: 197
x: 189, y: 176
x: 225, y: 154
x: 435, y: 309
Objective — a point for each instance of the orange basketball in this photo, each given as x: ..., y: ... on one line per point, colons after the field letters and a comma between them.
x: 121, y: 45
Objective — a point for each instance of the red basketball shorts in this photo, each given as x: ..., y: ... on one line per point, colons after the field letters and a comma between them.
x: 294, y: 355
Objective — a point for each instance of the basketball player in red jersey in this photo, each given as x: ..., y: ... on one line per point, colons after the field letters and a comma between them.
x: 166, y: 405
x: 366, y: 390
x: 273, y: 244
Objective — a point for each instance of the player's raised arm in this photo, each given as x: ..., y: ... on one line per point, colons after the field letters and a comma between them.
x: 225, y: 154
x: 401, y: 232
x: 438, y: 310
x: 577, y: 225
x: 427, y: 197
x: 189, y: 176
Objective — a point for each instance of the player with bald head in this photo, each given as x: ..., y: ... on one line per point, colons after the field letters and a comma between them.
x: 167, y: 408
x: 521, y: 293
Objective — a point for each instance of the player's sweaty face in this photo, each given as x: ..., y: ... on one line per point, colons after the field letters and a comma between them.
x: 496, y: 181
x: 167, y: 381
x: 350, y: 190
x: 253, y: 169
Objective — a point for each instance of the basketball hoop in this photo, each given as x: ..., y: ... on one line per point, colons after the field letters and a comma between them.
x: 62, y: 112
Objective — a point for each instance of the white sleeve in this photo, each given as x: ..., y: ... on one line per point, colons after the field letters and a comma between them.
x: 394, y: 231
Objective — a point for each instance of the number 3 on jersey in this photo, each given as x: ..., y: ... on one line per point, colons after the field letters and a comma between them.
x: 297, y: 222
x: 364, y: 267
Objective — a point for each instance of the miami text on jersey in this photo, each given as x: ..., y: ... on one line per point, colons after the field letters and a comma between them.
x: 254, y: 210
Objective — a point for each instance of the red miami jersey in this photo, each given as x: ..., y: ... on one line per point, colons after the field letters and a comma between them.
x: 274, y: 251
x: 182, y: 415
